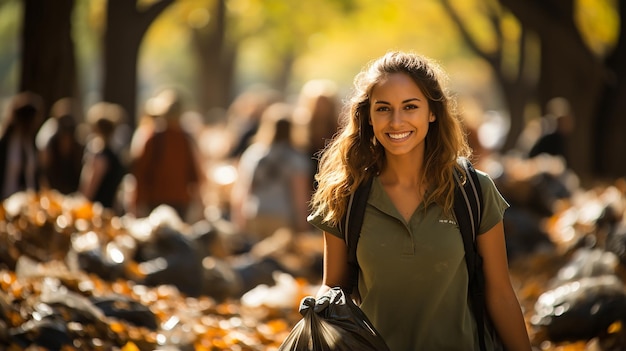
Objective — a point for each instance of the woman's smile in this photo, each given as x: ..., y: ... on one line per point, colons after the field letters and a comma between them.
x: 399, y: 136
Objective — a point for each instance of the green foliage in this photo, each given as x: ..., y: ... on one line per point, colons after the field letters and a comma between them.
x: 373, y: 28
x: 598, y: 23
x: 10, y: 15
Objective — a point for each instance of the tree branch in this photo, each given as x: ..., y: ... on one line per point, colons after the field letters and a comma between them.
x: 151, y: 13
x: 493, y: 59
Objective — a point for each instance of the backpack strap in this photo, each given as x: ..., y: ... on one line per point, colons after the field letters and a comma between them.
x: 468, y: 204
x: 350, y: 227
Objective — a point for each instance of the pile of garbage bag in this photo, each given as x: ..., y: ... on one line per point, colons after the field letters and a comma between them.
x: 74, y: 276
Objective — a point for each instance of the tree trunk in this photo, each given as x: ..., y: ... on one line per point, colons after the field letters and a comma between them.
x: 518, y: 88
x: 216, y: 62
x: 516, y: 96
x: 48, y: 65
x: 568, y: 69
x: 563, y: 75
x: 283, y: 75
x: 609, y: 131
x: 125, y: 29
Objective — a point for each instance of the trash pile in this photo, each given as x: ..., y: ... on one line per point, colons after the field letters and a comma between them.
x: 567, y: 247
x: 74, y: 276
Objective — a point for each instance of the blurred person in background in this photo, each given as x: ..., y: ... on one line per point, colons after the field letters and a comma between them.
x: 244, y: 115
x: 61, y: 151
x: 167, y: 169
x: 102, y: 170
x: 143, y: 131
x: 19, y: 165
x: 559, y: 125
x: 273, y: 185
x: 318, y: 111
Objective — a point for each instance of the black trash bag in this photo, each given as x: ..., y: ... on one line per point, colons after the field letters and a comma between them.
x: 126, y: 309
x: 333, y: 323
x: 582, y: 309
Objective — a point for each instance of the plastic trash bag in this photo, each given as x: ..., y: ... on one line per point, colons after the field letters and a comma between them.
x: 332, y: 323
x: 581, y: 309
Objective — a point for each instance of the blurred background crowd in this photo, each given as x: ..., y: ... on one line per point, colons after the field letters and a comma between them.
x: 256, y: 169
x: 157, y: 158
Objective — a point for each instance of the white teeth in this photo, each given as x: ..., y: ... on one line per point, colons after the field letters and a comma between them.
x: 399, y: 136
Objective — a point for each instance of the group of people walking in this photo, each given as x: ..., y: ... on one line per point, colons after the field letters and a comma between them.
x: 60, y: 153
x: 271, y: 143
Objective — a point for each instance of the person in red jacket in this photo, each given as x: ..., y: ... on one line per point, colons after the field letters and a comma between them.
x: 167, y: 171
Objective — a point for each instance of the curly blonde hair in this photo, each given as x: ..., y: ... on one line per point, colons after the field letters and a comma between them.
x: 350, y: 158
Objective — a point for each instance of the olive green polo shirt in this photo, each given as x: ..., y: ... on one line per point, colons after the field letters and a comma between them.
x: 413, y: 281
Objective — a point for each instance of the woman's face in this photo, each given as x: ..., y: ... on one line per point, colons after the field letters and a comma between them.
x: 400, y: 115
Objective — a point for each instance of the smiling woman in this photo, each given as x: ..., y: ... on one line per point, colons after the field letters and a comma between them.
x: 402, y: 136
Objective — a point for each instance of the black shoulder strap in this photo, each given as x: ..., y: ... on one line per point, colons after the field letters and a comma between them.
x: 468, y: 204
x: 470, y: 198
x: 350, y: 227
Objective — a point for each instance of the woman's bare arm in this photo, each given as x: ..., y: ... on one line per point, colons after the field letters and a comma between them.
x: 335, y: 263
x: 501, y: 301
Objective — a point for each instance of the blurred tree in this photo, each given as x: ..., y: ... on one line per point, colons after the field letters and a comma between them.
x: 610, y: 120
x: 568, y: 66
x: 509, y: 55
x: 10, y: 24
x: 288, y: 28
x: 537, y: 49
x: 361, y: 30
x: 127, y: 22
x: 216, y: 56
x: 221, y: 32
x: 593, y: 84
x: 282, y: 28
x: 48, y: 66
